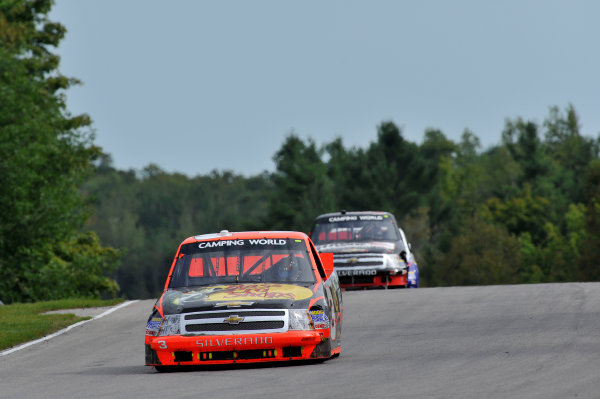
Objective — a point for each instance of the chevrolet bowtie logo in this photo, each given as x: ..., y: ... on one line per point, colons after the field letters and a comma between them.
x: 233, y: 319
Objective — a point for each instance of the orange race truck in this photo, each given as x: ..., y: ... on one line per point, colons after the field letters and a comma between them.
x: 246, y: 297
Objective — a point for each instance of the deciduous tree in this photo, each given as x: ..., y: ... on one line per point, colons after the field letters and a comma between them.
x: 45, y: 153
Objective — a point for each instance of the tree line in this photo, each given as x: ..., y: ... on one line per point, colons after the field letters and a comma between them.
x: 526, y: 210
x: 523, y: 211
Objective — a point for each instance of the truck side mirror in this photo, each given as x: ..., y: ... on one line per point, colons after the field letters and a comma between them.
x: 327, y: 262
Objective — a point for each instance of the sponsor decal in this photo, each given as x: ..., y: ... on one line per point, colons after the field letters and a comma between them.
x: 212, y: 244
x: 243, y: 292
x: 264, y: 241
x: 216, y: 342
x: 356, y: 272
x: 260, y: 292
x: 350, y: 218
x: 319, y: 318
x: 371, y: 217
x: 357, y: 247
x: 195, y: 295
x: 342, y: 218
x: 153, y: 326
x: 228, y: 243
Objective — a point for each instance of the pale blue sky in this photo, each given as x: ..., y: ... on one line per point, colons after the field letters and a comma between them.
x: 200, y: 85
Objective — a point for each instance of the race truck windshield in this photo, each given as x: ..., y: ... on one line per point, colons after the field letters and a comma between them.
x: 242, y: 261
x: 354, y: 228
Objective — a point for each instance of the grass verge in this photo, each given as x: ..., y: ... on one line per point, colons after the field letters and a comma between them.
x: 23, y: 322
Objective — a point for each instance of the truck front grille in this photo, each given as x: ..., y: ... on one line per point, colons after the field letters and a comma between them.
x: 235, y: 321
x: 358, y: 260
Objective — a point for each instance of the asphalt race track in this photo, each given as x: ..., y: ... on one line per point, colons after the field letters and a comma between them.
x: 526, y: 341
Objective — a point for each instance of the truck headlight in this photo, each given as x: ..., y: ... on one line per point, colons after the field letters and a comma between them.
x: 300, y: 320
x: 169, y: 325
x: 395, y: 264
x: 393, y: 261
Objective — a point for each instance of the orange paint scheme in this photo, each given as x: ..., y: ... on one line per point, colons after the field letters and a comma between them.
x: 214, y: 320
x: 236, y: 348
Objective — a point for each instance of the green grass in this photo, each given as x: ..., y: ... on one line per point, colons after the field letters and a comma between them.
x: 22, y: 322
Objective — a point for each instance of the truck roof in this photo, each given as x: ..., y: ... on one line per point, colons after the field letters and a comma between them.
x: 354, y: 213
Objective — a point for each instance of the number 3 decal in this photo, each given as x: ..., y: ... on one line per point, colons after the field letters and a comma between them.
x: 163, y: 345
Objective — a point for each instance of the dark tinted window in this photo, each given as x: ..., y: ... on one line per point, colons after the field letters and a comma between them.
x: 242, y: 261
x: 346, y: 228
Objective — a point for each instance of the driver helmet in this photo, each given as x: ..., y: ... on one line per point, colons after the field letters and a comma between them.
x: 289, y: 268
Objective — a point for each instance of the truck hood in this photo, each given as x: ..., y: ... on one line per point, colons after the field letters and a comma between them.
x: 352, y: 247
x: 247, y: 296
